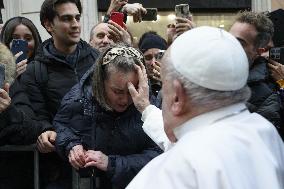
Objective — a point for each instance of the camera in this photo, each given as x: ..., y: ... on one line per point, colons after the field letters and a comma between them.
x: 277, y: 54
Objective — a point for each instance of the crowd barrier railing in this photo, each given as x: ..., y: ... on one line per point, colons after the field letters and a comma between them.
x: 26, y: 148
x: 77, y: 182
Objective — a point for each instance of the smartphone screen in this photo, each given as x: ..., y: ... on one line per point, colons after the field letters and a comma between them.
x: 277, y: 54
x: 151, y: 14
x: 20, y: 45
x: 182, y: 11
x: 2, y: 75
x: 117, y: 17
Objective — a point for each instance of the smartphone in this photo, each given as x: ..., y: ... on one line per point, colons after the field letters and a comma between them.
x: 118, y: 18
x: 277, y: 54
x: 182, y: 10
x: 2, y: 75
x: 19, y: 45
x: 151, y: 14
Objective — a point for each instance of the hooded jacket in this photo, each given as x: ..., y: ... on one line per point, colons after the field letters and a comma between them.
x: 62, y: 76
x: 62, y: 71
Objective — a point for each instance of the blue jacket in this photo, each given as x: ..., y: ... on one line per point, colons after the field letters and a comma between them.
x: 80, y: 120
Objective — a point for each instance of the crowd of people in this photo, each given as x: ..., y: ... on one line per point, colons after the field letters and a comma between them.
x: 201, y: 109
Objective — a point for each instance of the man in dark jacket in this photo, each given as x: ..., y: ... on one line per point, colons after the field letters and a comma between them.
x: 254, y: 31
x: 59, y: 64
x: 98, y: 126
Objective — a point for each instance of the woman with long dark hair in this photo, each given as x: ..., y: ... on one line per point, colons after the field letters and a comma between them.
x: 21, y: 28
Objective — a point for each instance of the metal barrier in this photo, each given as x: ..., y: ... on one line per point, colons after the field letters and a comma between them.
x: 80, y: 183
x: 77, y: 182
x: 26, y: 148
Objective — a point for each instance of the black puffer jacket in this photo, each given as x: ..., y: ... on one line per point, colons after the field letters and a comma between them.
x: 264, y: 99
x: 81, y: 120
x: 16, y: 122
x: 63, y: 72
x: 17, y: 127
x: 62, y: 76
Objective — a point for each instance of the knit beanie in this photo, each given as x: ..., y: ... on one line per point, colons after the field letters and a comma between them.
x: 153, y: 41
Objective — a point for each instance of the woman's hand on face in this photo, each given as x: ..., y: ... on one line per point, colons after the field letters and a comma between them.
x: 140, y: 96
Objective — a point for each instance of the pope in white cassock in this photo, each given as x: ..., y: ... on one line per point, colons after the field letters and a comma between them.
x: 211, y: 140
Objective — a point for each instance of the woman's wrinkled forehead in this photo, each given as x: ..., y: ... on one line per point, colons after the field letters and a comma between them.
x: 128, y: 52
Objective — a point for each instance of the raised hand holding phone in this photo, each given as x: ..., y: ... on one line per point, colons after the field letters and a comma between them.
x: 277, y: 54
x: 17, y: 46
x: 117, y: 17
x: 115, y: 5
x: 183, y: 19
x: 119, y: 33
x: 22, y: 65
x: 136, y: 10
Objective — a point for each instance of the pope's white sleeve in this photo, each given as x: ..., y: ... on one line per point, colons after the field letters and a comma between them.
x: 154, y: 127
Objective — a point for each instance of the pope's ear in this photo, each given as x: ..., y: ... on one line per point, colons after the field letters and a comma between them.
x: 179, y: 99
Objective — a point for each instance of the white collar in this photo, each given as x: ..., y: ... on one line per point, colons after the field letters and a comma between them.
x: 208, y: 118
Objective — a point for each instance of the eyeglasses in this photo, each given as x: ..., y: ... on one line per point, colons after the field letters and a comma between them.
x: 157, y: 56
x: 69, y: 18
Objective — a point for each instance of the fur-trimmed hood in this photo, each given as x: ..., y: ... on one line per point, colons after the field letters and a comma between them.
x: 8, y: 60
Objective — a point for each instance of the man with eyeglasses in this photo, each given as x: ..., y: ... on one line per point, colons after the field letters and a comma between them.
x: 59, y: 64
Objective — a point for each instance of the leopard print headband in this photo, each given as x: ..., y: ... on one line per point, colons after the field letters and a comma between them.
x: 128, y: 52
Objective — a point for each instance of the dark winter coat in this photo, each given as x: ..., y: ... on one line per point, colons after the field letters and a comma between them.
x: 264, y: 99
x: 16, y: 122
x: 81, y: 120
x: 18, y: 127
x: 62, y: 76
x: 62, y: 72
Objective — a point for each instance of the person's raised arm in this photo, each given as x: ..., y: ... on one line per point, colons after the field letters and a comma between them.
x: 151, y: 115
x: 115, y: 5
x: 118, y: 33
